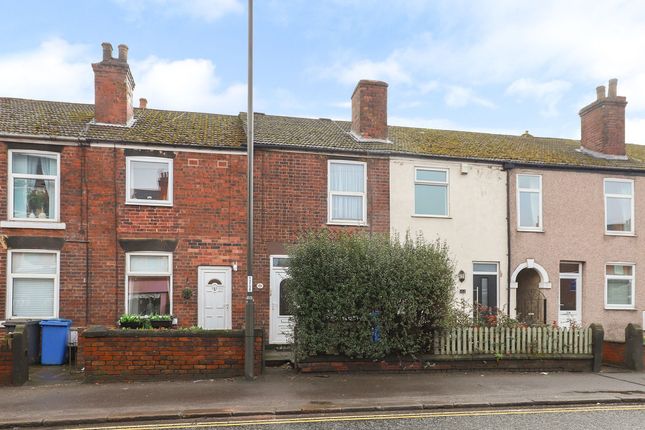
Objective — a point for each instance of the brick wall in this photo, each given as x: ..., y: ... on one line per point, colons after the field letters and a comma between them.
x: 291, y: 198
x: 207, y: 219
x: 6, y: 360
x: 113, y: 355
x: 613, y: 353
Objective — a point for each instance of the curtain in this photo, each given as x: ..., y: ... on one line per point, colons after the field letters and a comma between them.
x: 347, y: 177
x: 149, y: 263
x: 529, y: 209
x: 347, y: 207
x: 149, y: 295
x: 33, y: 298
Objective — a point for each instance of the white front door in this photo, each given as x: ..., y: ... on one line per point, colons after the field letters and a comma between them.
x: 214, y: 297
x: 280, y: 321
x: 570, y: 294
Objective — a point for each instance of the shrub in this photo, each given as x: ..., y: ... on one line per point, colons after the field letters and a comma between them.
x: 367, y: 296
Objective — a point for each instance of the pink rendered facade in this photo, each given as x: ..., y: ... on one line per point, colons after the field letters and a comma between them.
x: 573, y: 231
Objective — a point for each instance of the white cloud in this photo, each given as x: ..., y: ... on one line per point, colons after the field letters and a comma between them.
x: 388, y: 70
x: 189, y: 84
x: 61, y: 71
x: 457, y: 96
x: 548, y: 93
x: 635, y: 130
x: 207, y: 10
x: 56, y: 70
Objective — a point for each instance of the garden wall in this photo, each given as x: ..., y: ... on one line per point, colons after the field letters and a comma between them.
x: 579, y: 363
x: 14, y: 363
x: 630, y: 353
x: 116, y: 355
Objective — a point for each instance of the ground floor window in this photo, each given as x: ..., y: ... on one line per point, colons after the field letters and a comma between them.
x: 149, y: 283
x: 619, y: 286
x: 32, y: 284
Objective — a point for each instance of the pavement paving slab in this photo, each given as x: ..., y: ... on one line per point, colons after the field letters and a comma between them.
x: 282, y: 392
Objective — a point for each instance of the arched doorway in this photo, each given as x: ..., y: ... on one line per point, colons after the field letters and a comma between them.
x: 529, y: 279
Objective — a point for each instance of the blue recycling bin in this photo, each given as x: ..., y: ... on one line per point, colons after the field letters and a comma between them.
x: 54, y: 334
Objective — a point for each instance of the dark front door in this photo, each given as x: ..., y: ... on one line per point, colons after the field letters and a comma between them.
x: 485, y: 290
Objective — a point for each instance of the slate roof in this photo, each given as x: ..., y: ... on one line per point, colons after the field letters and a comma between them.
x: 73, y: 120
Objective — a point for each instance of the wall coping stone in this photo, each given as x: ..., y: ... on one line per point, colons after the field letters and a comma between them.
x: 101, y: 331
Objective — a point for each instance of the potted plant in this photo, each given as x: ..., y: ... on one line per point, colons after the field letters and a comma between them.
x: 38, y: 200
x: 130, y: 321
x: 161, y: 321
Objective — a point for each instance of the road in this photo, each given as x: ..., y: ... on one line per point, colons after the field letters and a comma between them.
x: 605, y: 417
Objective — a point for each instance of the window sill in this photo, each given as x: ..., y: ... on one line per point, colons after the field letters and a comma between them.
x: 432, y: 216
x: 530, y: 230
x: 33, y: 224
x: 351, y: 224
x: 148, y: 203
x: 619, y: 309
x: 610, y: 233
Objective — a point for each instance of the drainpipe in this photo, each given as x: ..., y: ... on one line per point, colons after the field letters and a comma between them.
x: 508, y: 167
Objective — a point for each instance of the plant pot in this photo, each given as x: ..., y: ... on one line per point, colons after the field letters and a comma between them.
x: 161, y: 324
x: 131, y: 324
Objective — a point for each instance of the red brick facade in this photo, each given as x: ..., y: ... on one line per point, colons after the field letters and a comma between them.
x: 207, y: 220
x: 133, y: 354
x: 291, y: 198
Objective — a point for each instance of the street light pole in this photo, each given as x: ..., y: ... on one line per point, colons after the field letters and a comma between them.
x: 249, y: 323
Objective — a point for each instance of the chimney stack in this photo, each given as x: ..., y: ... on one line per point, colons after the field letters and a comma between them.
x: 369, y: 110
x: 143, y: 103
x: 603, y: 124
x: 113, y: 87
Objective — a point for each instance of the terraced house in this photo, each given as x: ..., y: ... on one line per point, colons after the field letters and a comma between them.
x: 112, y: 209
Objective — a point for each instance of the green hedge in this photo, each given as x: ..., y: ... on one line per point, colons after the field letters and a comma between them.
x: 367, y: 296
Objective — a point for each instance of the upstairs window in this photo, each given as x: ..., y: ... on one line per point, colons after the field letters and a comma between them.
x: 149, y: 283
x: 34, y: 185
x: 619, y: 206
x: 346, y: 193
x: 529, y: 202
x: 149, y: 181
x: 431, y: 192
x: 619, y: 286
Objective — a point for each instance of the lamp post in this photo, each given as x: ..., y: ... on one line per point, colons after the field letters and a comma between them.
x: 249, y: 323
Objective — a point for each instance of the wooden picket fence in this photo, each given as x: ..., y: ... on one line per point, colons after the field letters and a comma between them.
x: 512, y: 341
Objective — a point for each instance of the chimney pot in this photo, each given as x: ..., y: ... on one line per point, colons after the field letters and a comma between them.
x: 603, y: 124
x: 600, y: 92
x: 613, y: 88
x: 143, y: 103
x: 123, y: 53
x: 107, y: 51
x: 113, y: 88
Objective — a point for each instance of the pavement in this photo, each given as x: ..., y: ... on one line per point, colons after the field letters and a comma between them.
x: 53, y: 398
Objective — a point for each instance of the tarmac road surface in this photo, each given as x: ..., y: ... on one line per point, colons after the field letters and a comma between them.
x: 605, y: 417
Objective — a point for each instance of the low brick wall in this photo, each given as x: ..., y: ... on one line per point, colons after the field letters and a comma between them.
x: 117, y: 355
x: 571, y: 363
x: 613, y: 353
x: 6, y: 360
x: 14, y: 361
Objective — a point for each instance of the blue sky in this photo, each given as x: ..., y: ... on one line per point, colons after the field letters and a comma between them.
x: 498, y: 66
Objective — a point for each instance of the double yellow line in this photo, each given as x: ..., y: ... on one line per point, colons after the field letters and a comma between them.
x: 377, y: 417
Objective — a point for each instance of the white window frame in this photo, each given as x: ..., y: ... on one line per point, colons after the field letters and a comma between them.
x: 619, y: 196
x: 151, y: 274
x: 128, y: 181
x: 631, y: 277
x: 445, y: 184
x: 519, y: 191
x: 11, y: 277
x: 331, y: 193
x: 12, y: 176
